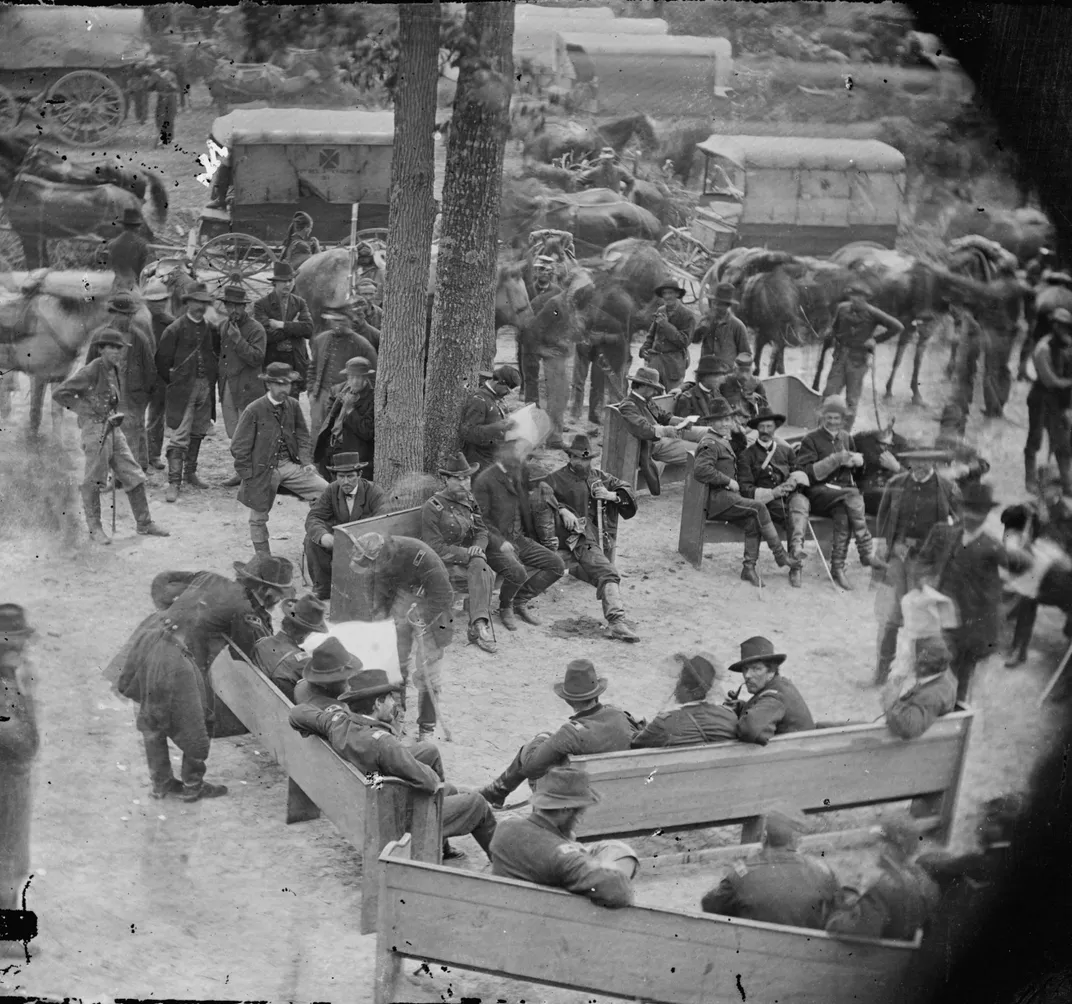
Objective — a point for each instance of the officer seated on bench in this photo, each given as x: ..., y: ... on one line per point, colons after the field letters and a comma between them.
x: 281, y: 656
x: 695, y: 720
x: 776, y: 706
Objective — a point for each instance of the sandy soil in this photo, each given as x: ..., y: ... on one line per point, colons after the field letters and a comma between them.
x: 222, y: 900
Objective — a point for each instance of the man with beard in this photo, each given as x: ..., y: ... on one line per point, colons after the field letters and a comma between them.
x: 827, y: 456
x: 187, y: 364
x: 765, y: 472
x: 666, y: 349
x: 366, y: 270
x: 350, y: 423
x: 580, y: 495
x: 527, y: 568
x: 331, y: 349
x: 288, y: 324
x: 240, y: 344
x: 776, y: 706
x: 695, y: 720
x: 484, y: 422
x: 281, y: 656
x: 722, y: 333
x: 156, y: 296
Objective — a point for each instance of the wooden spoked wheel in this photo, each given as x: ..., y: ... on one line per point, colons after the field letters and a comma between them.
x: 86, y: 107
x: 236, y: 260
x: 680, y: 248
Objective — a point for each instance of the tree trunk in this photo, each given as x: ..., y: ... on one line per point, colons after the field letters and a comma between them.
x: 400, y: 406
x: 463, y: 322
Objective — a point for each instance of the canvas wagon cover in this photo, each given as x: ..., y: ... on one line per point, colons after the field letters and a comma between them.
x: 71, y: 37
x: 304, y: 126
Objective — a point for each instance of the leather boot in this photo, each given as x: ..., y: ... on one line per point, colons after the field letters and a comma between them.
x: 91, y: 503
x: 887, y: 652
x: 190, y: 465
x: 1030, y: 473
x: 174, y: 464
x: 749, y: 573
x: 496, y: 793
x: 480, y: 635
x: 1021, y: 635
x: 865, y: 547
x: 139, y: 505
x: 232, y: 482
x: 839, y: 551
x: 837, y: 573
x: 614, y: 611
x: 261, y: 547
x: 774, y: 542
x: 506, y: 615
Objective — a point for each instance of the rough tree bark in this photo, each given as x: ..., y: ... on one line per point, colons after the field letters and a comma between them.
x: 400, y: 391
x: 463, y: 323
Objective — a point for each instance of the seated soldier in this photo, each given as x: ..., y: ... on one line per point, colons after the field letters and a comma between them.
x: 452, y: 526
x: 698, y: 397
x: 281, y: 656
x: 779, y: 885
x: 776, y: 706
x: 484, y: 422
x: 363, y: 736
x: 349, y: 497
x: 659, y: 440
x: 742, y: 389
x: 541, y: 848
x: 592, y: 728
x: 327, y: 675
x: 765, y: 473
x: 879, y: 450
x: 716, y: 466
x: 911, y: 707
x: 696, y: 720
x: 900, y: 902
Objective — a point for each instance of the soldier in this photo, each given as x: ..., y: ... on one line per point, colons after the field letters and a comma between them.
x: 744, y: 390
x: 349, y: 424
x: 240, y: 344
x: 716, y: 466
x: 165, y: 85
x: 1049, y: 399
x: 541, y: 848
x: 779, y: 885
x: 330, y: 351
x: 349, y: 497
x: 129, y: 253
x: 281, y: 656
x: 325, y: 678
x: 776, y: 706
x: 404, y: 579
x: 288, y: 324
x: 543, y: 288
x: 366, y: 269
x: 484, y: 422
x: 187, y: 364
x: 94, y: 393
x: 912, y: 707
x: 452, y: 525
x: 585, y: 498
x: 696, y: 720
x: 698, y: 398
x: 666, y: 349
x: 607, y: 312
x: 18, y: 746
x: 156, y: 298
x: 607, y: 172
x: 852, y: 333
x: 765, y: 473
x: 592, y: 728
x: 722, y: 333
x: 827, y: 456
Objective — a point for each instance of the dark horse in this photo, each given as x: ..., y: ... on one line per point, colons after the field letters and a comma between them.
x: 551, y: 138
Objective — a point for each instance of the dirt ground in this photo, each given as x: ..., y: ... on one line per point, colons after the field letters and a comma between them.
x: 222, y: 900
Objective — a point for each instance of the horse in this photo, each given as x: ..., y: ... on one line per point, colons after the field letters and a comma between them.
x: 552, y: 138
x: 1023, y: 232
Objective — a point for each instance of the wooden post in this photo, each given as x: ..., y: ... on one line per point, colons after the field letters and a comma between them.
x: 947, y: 807
x: 300, y: 807
x: 388, y: 962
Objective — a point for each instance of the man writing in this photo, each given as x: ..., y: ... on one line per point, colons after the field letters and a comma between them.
x: 484, y: 422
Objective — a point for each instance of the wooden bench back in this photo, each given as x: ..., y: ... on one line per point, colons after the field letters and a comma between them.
x: 790, y: 396
x: 319, y: 780
x: 621, y: 449
x: 524, y: 931
x: 404, y: 523
x: 817, y: 771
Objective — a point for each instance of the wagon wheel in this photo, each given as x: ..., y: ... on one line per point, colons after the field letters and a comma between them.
x: 87, y: 107
x: 9, y: 109
x: 236, y: 259
x: 680, y: 248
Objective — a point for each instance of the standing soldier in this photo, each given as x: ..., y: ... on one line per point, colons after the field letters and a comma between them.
x: 18, y: 747
x: 484, y: 422
x: 350, y: 423
x: 722, y: 333
x: 94, y: 393
x: 852, y: 333
x: 1049, y: 399
x: 542, y: 289
x: 166, y: 86
x: 337, y: 343
x: 667, y: 347
x: 607, y: 311
x: 156, y: 298
x: 272, y: 449
x: 128, y: 253
x: 240, y: 343
x: 452, y: 525
x: 187, y: 365
x: 286, y: 319
x: 402, y: 578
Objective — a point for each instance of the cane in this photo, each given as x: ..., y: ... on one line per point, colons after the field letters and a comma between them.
x: 874, y: 393
x: 822, y: 557
x: 419, y: 627
x: 113, y: 479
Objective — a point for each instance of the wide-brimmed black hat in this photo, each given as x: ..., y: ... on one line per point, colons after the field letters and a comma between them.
x: 725, y: 293
x: 235, y: 294
x: 697, y: 673
x: 267, y: 570
x: 341, y: 463
x: 505, y: 374
x: 369, y: 683
x: 13, y: 624
x: 581, y: 447
x: 563, y: 788
x: 307, y: 612
x: 648, y: 377
x: 720, y: 408
x: 282, y: 270
x: 199, y: 292
x: 131, y: 217
x: 672, y: 284
x: 929, y: 455
x: 978, y: 497
x: 757, y: 649
x: 331, y: 663
x: 456, y: 466
x: 580, y: 682
x: 279, y: 373
x: 709, y: 365
x: 766, y: 415
x: 358, y: 366
x: 109, y: 336
x: 122, y: 303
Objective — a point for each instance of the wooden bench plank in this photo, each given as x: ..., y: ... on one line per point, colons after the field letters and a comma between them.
x: 368, y: 815
x: 529, y: 932
x: 824, y: 770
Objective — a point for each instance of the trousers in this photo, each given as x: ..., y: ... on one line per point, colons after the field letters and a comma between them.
x: 847, y: 373
x: 154, y: 422
x: 318, y: 560
x: 586, y: 356
x: 1046, y: 413
x: 479, y: 580
x: 845, y: 506
x: 134, y: 430
x: 305, y: 483
x: 113, y: 454
x: 194, y: 754
x: 527, y: 572
x: 467, y: 812
x: 196, y: 417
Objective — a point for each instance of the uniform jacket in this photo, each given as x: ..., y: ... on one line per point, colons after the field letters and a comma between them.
x: 92, y: 393
x: 696, y: 399
x: 450, y: 527
x: 971, y: 578
x: 128, y: 254
x: 288, y: 344
x: 889, y: 509
x: 367, y: 743
x: 896, y: 905
x: 716, y: 465
x: 760, y: 470
x: 504, y: 504
x: 815, y: 448
x: 602, y: 729
x: 725, y: 339
x: 915, y: 711
x: 241, y: 349
x: 482, y: 410
x: 535, y: 850
x: 574, y: 491
x: 256, y: 444
x: 331, y: 509
x: 160, y: 323
x: 851, y: 329
x: 689, y: 725
x: 331, y: 349
x: 744, y: 393
x: 282, y: 660
x: 176, y: 362
x: 642, y: 416
x: 778, y: 708
x: 550, y: 334
x: 607, y: 318
x: 669, y: 338
x: 355, y: 416
x: 778, y: 886
x: 309, y: 693
x: 139, y: 377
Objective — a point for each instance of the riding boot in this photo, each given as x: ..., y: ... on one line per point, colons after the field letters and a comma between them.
x: 839, y: 551
x: 258, y: 534
x: 798, y: 528
x: 1026, y: 609
x: 190, y: 465
x: 91, y: 503
x: 174, y: 463
x: 770, y: 534
x: 751, y: 556
x: 139, y: 505
x: 1030, y: 473
x: 614, y: 611
x: 887, y: 652
x: 496, y: 793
